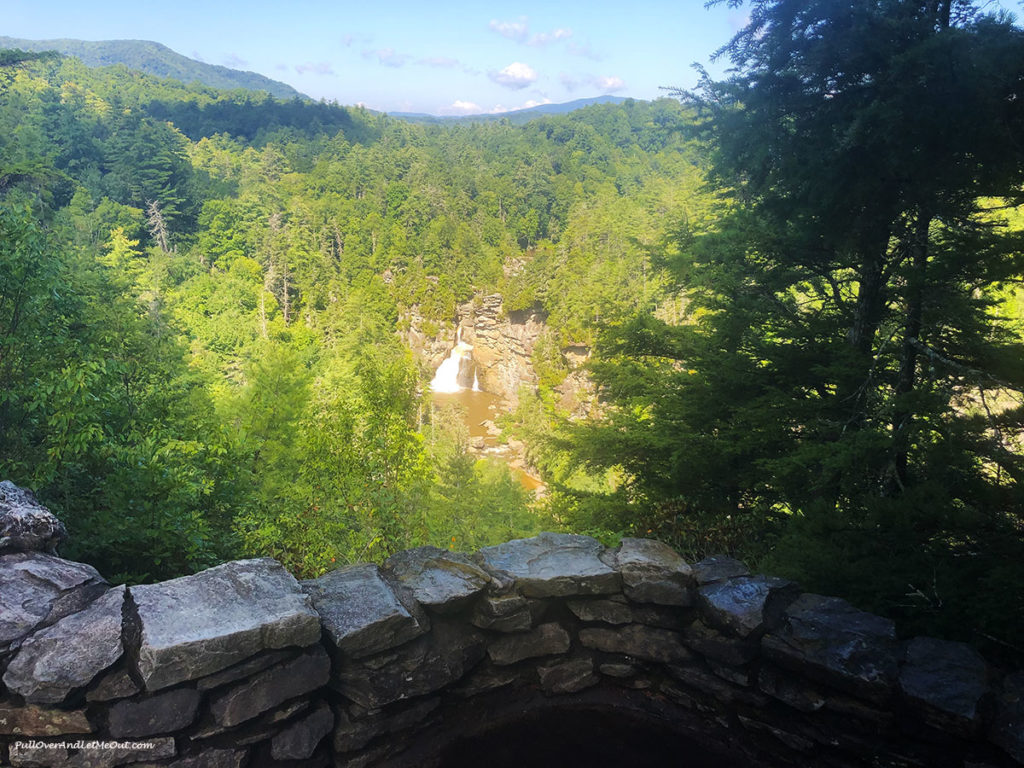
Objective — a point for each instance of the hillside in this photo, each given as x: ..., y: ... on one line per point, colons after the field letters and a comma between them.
x: 514, y: 116
x: 156, y: 59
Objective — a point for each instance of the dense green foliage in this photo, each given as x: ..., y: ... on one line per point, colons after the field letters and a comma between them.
x: 845, y: 402
x: 155, y: 59
x: 203, y: 291
x: 800, y: 288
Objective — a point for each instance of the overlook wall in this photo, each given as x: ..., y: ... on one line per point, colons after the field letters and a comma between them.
x: 414, y: 663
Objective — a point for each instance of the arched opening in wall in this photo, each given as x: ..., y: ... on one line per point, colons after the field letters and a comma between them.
x: 559, y: 737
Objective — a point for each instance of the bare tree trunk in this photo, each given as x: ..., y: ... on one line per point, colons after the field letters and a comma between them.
x: 157, y: 225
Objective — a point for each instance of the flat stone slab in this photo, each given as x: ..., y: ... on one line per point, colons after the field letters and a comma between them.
x: 747, y: 604
x: 653, y: 572
x: 567, y: 677
x: 423, y: 666
x: 25, y: 524
x: 361, y: 612
x: 299, y: 740
x: 718, y: 568
x: 37, y: 590
x: 272, y: 687
x: 606, y: 611
x: 545, y: 640
x: 503, y: 613
x: 945, y: 681
x: 196, y: 625
x: 31, y: 720
x: 440, y: 580
x: 639, y: 641
x: 554, y: 565
x: 829, y: 640
x: 154, y: 715
x: 69, y: 654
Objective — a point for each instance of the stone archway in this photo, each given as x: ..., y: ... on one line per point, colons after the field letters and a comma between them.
x: 438, y: 658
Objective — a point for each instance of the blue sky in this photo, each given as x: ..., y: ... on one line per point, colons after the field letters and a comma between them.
x: 441, y: 58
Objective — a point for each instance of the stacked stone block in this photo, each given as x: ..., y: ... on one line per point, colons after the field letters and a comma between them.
x: 242, y: 666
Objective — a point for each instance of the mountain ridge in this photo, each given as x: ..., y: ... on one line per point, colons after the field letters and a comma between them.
x: 156, y: 59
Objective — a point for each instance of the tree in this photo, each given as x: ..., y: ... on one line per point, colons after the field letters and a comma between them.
x: 842, y: 319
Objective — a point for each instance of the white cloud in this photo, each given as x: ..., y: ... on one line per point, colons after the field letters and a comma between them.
x: 528, y: 104
x: 543, y: 38
x: 234, y: 61
x: 317, y: 68
x: 460, y: 107
x: 387, y: 57
x: 609, y: 84
x: 513, y: 30
x: 516, y: 75
x: 568, y: 82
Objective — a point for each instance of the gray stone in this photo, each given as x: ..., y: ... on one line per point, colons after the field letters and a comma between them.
x: 653, y: 572
x: 30, y: 720
x: 718, y: 568
x: 360, y: 611
x: 439, y: 580
x: 351, y: 734
x: 607, y: 611
x: 620, y: 671
x: 709, y: 642
x: 545, y: 640
x: 423, y: 666
x: 1007, y: 729
x: 272, y: 687
x: 207, y: 758
x: 792, y: 740
x: 98, y: 754
x: 299, y: 740
x: 792, y: 691
x: 69, y: 654
x: 554, y: 565
x: 243, y: 670
x: 487, y: 678
x: 829, y: 640
x: 568, y: 677
x: 116, y: 684
x: 503, y: 613
x: 25, y: 524
x: 723, y: 692
x: 196, y: 625
x: 154, y: 715
x: 945, y: 681
x: 37, y: 590
x: 664, y: 616
x: 637, y: 640
x: 746, y: 605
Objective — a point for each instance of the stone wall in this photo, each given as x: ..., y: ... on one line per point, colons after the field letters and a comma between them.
x: 242, y: 665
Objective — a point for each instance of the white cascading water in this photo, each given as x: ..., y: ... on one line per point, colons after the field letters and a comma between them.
x: 446, y: 379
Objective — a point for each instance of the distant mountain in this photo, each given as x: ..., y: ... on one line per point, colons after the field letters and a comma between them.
x: 156, y: 59
x: 515, y: 115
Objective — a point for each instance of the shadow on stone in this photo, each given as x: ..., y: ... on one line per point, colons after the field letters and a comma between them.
x: 564, y: 737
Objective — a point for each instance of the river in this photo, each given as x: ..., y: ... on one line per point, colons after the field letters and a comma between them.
x: 456, y: 383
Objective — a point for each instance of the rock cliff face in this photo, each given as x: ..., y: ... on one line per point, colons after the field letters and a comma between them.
x: 402, y: 665
x: 502, y: 344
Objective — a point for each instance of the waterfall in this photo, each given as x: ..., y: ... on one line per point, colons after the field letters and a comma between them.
x: 452, y: 372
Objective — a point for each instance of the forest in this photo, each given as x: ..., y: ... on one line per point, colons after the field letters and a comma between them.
x: 799, y: 286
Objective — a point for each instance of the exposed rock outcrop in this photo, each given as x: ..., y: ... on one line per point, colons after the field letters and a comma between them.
x: 25, y: 524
